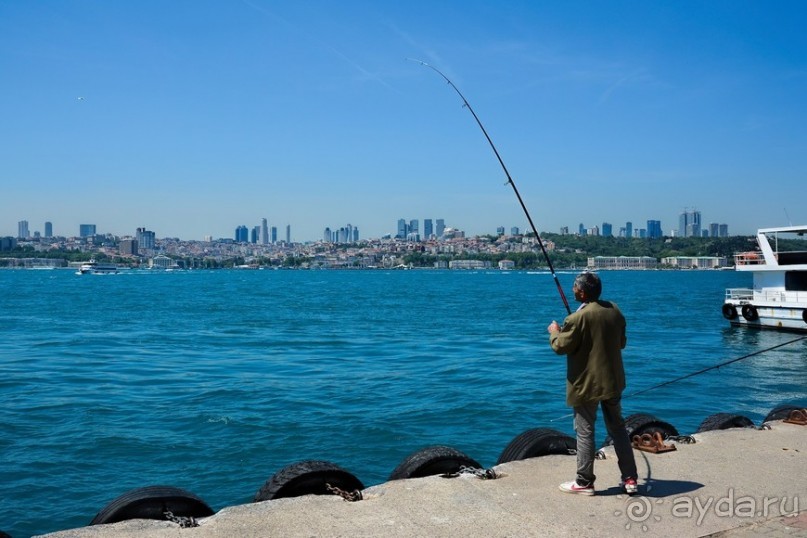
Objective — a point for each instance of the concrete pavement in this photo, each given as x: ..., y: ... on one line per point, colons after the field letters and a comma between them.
x: 735, y: 483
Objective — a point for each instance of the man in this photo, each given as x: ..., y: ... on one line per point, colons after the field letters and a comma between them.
x: 592, y: 339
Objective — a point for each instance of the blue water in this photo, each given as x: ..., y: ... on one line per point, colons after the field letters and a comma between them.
x: 213, y: 381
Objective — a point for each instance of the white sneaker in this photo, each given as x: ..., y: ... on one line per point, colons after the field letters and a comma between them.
x: 572, y: 487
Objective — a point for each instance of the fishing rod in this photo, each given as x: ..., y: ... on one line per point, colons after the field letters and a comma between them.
x: 715, y: 367
x: 704, y: 370
x: 509, y: 179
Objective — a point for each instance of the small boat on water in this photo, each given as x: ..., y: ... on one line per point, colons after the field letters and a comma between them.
x: 92, y: 267
x: 778, y: 299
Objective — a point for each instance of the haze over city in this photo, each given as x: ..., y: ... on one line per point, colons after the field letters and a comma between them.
x: 193, y: 118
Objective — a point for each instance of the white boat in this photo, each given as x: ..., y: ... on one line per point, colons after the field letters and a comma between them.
x: 778, y: 299
x: 92, y: 267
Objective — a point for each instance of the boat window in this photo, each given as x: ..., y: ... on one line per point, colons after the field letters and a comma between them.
x: 796, y: 280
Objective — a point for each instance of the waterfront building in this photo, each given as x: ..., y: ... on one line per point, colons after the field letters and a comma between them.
x: 469, y: 264
x: 621, y: 262
x: 86, y: 230
x: 48, y: 229
x: 507, y: 265
x: 696, y: 262
x: 22, y: 229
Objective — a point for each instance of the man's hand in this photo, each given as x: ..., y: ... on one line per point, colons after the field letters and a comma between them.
x: 553, y: 327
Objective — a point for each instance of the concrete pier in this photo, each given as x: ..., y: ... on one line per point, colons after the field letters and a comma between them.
x: 737, y: 483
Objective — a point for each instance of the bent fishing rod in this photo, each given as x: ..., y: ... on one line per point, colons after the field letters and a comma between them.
x: 467, y: 105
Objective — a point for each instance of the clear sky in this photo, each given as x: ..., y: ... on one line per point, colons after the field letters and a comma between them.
x: 192, y: 117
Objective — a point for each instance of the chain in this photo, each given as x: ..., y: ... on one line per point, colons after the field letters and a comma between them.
x: 484, y: 474
x: 349, y: 496
x: 686, y: 439
x: 184, y: 522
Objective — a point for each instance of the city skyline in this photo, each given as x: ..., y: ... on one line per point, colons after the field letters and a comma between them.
x: 265, y: 234
x: 312, y: 114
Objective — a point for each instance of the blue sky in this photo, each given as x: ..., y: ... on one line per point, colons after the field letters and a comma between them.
x: 193, y: 117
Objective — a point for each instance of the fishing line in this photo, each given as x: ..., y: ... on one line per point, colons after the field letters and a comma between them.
x: 693, y: 374
x: 509, y: 179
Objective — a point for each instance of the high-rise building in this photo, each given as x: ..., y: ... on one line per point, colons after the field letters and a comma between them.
x: 414, y: 226
x: 440, y: 228
x: 86, y: 230
x: 514, y: 230
x: 264, y: 232
x: 428, y: 229
x: 255, y: 234
x: 241, y: 234
x: 689, y: 223
x: 581, y: 229
x: 500, y: 230
x: 402, y: 229
x: 714, y: 229
x: 607, y: 229
x: 128, y: 247
x: 48, y: 229
x: 22, y: 229
x: 288, y: 234
x: 274, y: 234
x: 145, y: 239
x: 628, y: 230
x: 327, y: 236
x: 723, y: 230
x: 654, y: 229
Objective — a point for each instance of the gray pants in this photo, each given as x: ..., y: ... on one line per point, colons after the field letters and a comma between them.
x: 585, y: 416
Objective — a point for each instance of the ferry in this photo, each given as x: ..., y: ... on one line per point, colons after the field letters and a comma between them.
x: 778, y: 299
x: 94, y: 268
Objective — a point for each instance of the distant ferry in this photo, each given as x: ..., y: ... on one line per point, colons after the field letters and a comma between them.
x: 778, y: 299
x: 92, y: 267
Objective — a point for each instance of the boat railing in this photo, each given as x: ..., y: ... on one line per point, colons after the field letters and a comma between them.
x: 748, y: 258
x: 769, y: 296
x: 740, y: 294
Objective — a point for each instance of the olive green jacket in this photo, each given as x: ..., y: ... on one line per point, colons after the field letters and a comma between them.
x: 592, y: 339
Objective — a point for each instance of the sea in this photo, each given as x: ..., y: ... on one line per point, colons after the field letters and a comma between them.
x: 213, y: 381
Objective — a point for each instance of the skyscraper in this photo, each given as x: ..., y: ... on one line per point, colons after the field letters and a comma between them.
x: 288, y: 234
x: 628, y: 230
x: 48, y: 229
x: 274, y: 234
x: 440, y: 228
x: 689, y: 223
x: 402, y: 229
x: 264, y: 232
x: 22, y: 229
x: 241, y: 234
x: 428, y: 229
x: 86, y: 230
x: 145, y: 239
x: 654, y: 229
x: 607, y: 229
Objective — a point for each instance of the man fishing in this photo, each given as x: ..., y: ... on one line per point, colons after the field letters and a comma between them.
x: 592, y: 338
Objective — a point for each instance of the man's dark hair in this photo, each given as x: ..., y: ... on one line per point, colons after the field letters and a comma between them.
x: 590, y: 284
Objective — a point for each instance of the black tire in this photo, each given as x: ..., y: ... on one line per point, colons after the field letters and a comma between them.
x: 641, y: 423
x: 152, y: 502
x: 309, y: 477
x: 783, y: 411
x: 724, y: 421
x: 538, y: 442
x: 433, y: 460
x: 729, y: 311
x: 750, y: 312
